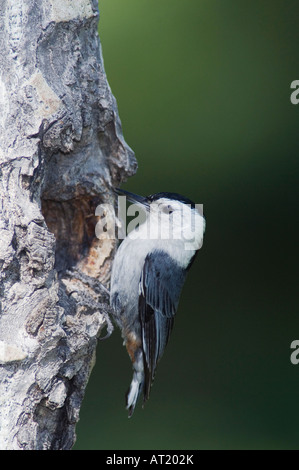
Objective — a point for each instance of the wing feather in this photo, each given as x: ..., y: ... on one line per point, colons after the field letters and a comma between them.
x: 160, y: 286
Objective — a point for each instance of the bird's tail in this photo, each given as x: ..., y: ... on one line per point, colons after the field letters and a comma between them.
x: 137, y: 385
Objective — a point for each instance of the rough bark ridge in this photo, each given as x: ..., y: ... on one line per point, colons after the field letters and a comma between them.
x: 61, y: 150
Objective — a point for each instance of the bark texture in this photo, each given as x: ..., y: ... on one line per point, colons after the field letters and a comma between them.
x: 61, y: 152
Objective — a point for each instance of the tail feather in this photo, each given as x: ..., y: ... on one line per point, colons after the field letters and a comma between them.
x: 136, y: 387
x: 133, y: 393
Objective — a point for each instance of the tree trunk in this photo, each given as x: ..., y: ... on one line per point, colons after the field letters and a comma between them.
x: 61, y: 152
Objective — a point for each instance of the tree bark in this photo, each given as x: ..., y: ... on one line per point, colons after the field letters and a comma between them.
x: 61, y: 152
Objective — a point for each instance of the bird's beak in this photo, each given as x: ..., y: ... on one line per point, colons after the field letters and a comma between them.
x: 134, y: 198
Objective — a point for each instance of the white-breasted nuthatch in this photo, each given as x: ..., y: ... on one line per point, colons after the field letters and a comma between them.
x: 148, y: 273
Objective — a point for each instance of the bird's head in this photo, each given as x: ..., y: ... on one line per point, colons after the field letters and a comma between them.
x: 170, y: 216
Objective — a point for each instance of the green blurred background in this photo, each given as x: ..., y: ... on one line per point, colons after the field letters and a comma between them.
x: 203, y: 90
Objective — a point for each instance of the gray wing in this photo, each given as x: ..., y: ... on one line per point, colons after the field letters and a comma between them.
x: 159, y: 291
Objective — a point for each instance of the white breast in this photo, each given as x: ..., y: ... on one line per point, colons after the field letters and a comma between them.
x: 180, y: 240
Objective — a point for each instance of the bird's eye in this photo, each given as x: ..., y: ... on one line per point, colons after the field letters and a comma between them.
x: 167, y: 209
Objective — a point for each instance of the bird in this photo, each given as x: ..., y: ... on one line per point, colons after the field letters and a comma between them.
x: 148, y: 273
